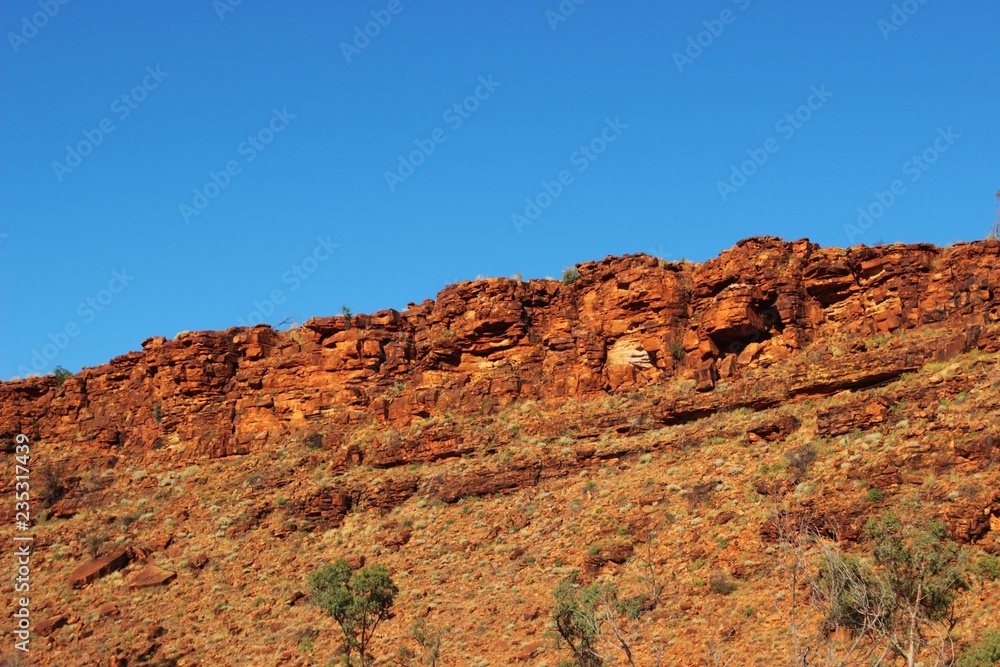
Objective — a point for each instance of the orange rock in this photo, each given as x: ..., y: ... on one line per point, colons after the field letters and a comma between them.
x: 47, y: 626
x: 152, y: 575
x: 99, y: 567
x: 529, y: 651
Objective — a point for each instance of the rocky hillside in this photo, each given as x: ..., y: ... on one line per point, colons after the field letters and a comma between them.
x: 647, y: 419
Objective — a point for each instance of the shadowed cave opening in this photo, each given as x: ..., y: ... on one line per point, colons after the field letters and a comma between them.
x: 761, y: 325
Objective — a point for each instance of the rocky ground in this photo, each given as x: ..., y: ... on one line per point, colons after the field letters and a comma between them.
x: 648, y: 420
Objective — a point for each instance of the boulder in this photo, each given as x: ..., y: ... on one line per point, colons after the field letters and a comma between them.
x: 47, y: 626
x: 99, y: 567
x: 152, y: 575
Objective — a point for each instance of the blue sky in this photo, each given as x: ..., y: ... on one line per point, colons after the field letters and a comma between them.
x: 198, y: 165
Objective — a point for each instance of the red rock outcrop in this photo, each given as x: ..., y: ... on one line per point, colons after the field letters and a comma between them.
x: 626, y: 323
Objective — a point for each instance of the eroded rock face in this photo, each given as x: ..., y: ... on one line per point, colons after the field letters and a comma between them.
x: 626, y: 323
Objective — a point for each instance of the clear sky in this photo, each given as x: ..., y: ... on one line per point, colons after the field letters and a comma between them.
x: 197, y: 165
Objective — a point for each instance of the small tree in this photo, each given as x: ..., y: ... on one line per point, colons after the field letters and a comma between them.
x: 919, y: 564
x: 428, y: 639
x: 573, y: 616
x: 897, y: 601
x: 358, y: 602
x: 591, y: 619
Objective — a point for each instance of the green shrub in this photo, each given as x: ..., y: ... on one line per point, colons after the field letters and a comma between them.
x: 984, y: 653
x: 61, y: 374
x: 989, y: 566
x: 875, y: 495
x: 570, y: 275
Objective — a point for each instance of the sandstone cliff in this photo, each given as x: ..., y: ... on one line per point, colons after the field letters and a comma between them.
x: 626, y: 323
x: 649, y: 417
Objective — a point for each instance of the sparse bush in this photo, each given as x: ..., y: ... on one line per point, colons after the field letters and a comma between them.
x: 677, y: 350
x: 157, y: 412
x: 876, y: 342
x: 989, y: 566
x: 570, y: 275
x: 799, y: 459
x: 721, y: 584
x: 359, y: 602
x: 307, y: 639
x: 346, y: 312
x: 428, y: 639
x: 92, y: 542
x: 849, y: 594
x: 61, y: 374
x: 53, y: 485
